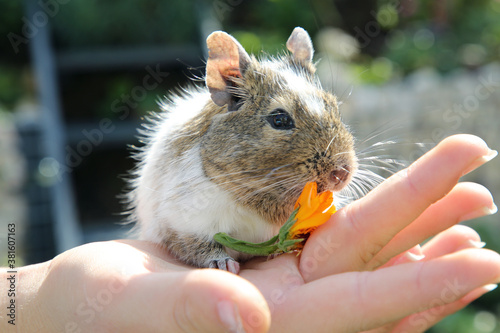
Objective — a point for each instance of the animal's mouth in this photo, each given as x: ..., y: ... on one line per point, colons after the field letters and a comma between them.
x: 337, y: 179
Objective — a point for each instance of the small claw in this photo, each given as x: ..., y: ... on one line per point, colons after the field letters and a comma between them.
x: 221, y: 264
x: 233, y: 266
x: 225, y: 264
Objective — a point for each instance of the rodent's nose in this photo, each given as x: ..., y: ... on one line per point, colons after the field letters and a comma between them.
x: 340, y: 175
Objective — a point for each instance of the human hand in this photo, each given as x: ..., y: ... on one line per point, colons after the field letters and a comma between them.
x: 130, y: 286
x: 383, y: 230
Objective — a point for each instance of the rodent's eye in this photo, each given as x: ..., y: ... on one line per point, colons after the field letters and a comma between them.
x: 280, y: 119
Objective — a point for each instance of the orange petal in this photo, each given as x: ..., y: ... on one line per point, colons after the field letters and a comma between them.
x: 326, y: 200
x: 305, y: 212
x: 310, y: 190
x: 313, y: 222
x: 332, y: 210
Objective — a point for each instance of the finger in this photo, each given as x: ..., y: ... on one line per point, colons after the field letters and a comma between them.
x: 388, y: 294
x: 412, y: 255
x: 422, y: 321
x: 355, y: 234
x: 197, y: 301
x: 464, y: 202
x: 456, y: 238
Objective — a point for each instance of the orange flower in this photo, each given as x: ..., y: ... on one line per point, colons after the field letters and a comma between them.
x: 314, y: 210
x: 311, y: 210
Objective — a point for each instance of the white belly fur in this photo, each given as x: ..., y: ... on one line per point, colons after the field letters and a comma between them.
x: 190, y: 203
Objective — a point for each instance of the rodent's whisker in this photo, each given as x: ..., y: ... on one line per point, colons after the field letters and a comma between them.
x: 296, y: 186
x: 352, y: 192
x: 151, y: 189
x: 330, y: 143
x: 367, y: 177
x: 346, y: 169
x: 239, y: 183
x: 379, y: 147
x: 224, y: 175
x: 340, y: 153
x: 388, y: 162
x: 363, y: 181
x: 252, y: 173
x: 389, y: 170
x: 280, y: 183
x: 257, y: 180
x: 273, y: 171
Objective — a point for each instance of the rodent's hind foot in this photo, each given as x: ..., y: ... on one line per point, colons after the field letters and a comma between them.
x: 225, y: 264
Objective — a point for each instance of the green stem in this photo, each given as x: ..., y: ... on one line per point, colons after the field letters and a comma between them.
x: 285, y: 229
x: 257, y: 249
x: 277, y: 244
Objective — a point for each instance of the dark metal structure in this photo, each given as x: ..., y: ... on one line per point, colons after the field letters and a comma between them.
x: 54, y: 224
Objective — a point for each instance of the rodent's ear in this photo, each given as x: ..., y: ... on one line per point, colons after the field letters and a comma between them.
x: 299, y: 43
x: 227, y: 59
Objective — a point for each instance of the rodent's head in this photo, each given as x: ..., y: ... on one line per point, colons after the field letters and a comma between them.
x: 280, y: 129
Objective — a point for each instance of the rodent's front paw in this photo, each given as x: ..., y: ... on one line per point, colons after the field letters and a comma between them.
x: 225, y: 264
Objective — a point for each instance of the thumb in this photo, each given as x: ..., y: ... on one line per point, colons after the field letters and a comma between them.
x: 203, y: 300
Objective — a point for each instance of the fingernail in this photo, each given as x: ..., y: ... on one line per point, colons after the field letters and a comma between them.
x: 482, y: 160
x: 491, y: 155
x: 414, y: 257
x: 490, y: 287
x: 230, y: 316
x: 408, y: 257
x: 484, y: 211
x: 492, y: 210
x: 478, y: 292
x: 476, y: 244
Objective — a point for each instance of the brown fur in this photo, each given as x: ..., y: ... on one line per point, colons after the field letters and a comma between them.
x: 243, y: 141
x: 193, y: 250
x: 262, y: 168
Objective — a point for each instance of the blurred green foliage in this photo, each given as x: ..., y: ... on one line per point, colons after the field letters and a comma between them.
x: 396, y: 36
x: 445, y: 35
x: 11, y: 65
x: 93, y: 23
x: 468, y: 320
x: 12, y: 88
x: 271, y: 22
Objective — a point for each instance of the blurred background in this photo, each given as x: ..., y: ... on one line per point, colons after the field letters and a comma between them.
x: 76, y: 78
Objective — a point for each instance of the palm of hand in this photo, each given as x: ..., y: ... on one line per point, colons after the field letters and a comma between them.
x: 362, y: 270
